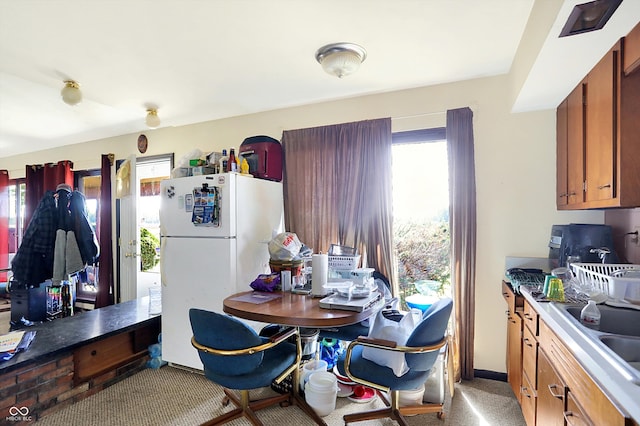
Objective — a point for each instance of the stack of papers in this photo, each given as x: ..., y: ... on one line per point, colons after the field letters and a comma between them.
x: 360, y: 304
x: 14, y: 342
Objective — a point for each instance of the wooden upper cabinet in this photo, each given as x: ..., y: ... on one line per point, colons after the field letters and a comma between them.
x: 600, y: 128
x: 601, y: 147
x: 575, y: 145
x: 631, y: 51
x: 562, y: 194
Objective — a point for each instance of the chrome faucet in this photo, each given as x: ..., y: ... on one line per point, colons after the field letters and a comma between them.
x: 603, y: 253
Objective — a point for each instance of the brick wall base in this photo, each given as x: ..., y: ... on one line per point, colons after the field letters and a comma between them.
x: 35, y: 390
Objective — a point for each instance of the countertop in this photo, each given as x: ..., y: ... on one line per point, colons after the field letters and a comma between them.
x: 65, y: 334
x: 624, y: 393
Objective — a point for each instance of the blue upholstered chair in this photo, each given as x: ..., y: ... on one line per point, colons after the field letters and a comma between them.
x: 235, y: 357
x: 421, y: 352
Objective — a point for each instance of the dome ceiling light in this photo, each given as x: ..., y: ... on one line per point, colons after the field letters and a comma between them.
x: 341, y: 59
x: 152, y: 120
x: 71, y: 94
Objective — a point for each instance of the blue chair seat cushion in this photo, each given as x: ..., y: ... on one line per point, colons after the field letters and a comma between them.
x: 372, y: 372
x: 274, y: 362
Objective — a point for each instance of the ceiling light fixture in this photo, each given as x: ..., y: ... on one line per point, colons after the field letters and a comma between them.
x: 341, y: 59
x: 71, y: 94
x: 589, y: 17
x: 152, y: 119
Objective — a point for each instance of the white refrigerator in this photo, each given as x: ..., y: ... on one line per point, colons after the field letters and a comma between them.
x: 214, y: 231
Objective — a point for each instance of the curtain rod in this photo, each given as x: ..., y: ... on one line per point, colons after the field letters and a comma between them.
x: 426, y: 114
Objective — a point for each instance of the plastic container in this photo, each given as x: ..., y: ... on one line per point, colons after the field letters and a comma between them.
x: 420, y: 301
x: 411, y: 397
x: 321, y: 392
x: 590, y: 315
x: 313, y: 366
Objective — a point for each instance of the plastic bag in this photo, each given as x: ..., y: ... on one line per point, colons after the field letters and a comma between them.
x: 266, y: 282
x: 284, y: 246
x: 399, y: 332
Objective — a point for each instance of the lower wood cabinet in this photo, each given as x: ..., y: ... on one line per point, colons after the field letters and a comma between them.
x: 528, y: 400
x: 551, y: 385
x: 574, y: 415
x: 514, y: 352
x: 550, y: 407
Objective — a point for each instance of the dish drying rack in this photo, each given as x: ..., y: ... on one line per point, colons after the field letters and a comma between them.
x: 600, y: 275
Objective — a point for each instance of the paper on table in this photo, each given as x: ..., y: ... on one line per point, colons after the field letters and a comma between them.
x: 9, y: 342
x: 256, y: 297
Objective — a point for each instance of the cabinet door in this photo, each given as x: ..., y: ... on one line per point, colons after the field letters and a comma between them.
x: 561, y: 155
x: 632, y: 50
x: 575, y: 145
x: 514, y: 352
x: 551, y: 394
x: 600, y: 134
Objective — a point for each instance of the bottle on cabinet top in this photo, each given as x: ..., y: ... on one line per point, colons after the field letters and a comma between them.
x: 232, y: 165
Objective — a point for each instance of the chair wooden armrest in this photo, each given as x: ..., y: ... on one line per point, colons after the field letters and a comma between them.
x: 377, y: 342
x: 390, y: 345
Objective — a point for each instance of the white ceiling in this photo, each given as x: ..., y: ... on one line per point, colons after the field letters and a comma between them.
x: 200, y: 60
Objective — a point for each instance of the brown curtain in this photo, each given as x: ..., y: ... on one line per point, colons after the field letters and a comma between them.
x: 42, y: 178
x: 104, y: 297
x: 462, y: 222
x: 4, y: 224
x: 337, y: 189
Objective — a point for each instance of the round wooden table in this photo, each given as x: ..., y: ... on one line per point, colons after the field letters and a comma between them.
x: 290, y: 309
x: 286, y: 308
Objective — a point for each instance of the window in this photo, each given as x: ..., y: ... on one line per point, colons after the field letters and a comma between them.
x: 421, y: 212
x: 88, y: 183
x: 16, y: 214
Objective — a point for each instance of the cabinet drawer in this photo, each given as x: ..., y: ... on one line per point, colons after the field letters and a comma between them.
x: 528, y: 401
x: 574, y: 415
x: 530, y: 356
x: 103, y: 355
x: 514, y: 301
x: 530, y: 317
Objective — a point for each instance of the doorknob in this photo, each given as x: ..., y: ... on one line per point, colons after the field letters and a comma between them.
x: 131, y: 255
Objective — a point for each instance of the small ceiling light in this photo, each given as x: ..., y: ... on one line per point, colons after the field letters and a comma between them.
x: 152, y: 119
x: 71, y: 94
x: 589, y: 16
x: 341, y: 59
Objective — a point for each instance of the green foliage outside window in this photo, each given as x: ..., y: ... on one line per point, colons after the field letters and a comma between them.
x: 148, y: 245
x: 423, y: 252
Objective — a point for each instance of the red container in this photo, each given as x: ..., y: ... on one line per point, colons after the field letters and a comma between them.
x: 264, y: 155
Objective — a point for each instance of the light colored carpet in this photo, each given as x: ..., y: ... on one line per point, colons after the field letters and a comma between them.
x: 174, y: 397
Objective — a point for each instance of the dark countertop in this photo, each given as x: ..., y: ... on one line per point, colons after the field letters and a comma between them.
x: 68, y: 333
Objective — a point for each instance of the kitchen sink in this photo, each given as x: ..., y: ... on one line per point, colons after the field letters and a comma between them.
x: 617, y: 339
x: 627, y: 348
x: 613, y: 320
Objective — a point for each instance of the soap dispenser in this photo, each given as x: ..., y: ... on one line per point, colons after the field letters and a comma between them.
x: 590, y: 315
